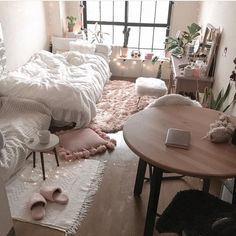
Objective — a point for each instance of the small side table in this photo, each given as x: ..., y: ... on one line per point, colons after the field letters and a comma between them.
x: 35, y: 146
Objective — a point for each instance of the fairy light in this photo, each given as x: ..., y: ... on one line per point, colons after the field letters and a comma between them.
x: 118, y: 63
x: 114, y: 59
x: 134, y: 62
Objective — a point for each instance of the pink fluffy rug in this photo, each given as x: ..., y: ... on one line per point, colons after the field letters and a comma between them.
x: 118, y: 102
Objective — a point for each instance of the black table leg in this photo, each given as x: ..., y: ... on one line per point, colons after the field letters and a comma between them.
x: 153, y: 200
x: 206, y: 185
x: 140, y: 177
x: 42, y: 163
x: 55, y: 152
x: 34, y: 160
x: 234, y: 193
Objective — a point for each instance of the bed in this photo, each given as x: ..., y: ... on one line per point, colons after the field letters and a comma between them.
x: 69, y: 84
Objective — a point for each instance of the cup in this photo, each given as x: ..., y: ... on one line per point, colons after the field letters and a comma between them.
x: 44, y: 136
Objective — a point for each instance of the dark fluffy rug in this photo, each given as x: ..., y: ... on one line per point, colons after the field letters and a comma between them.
x: 118, y: 102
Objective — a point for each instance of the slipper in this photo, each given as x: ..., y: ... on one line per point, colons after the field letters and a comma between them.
x: 54, y: 194
x: 37, y: 206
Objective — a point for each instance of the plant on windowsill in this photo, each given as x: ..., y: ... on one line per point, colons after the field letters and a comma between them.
x: 71, y: 23
x: 97, y: 35
x: 124, y: 49
x: 178, y: 44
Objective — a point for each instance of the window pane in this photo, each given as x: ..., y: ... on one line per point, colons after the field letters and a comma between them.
x: 146, y: 37
x: 148, y: 10
x: 119, y: 11
x: 107, y: 34
x: 162, y: 12
x: 93, y: 10
x: 159, y: 38
x: 118, y: 35
x: 133, y: 37
x: 134, y: 16
x: 106, y: 10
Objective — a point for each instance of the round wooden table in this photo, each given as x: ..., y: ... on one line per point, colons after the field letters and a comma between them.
x: 145, y: 134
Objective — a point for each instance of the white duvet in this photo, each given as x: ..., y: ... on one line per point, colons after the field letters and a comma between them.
x: 69, y: 84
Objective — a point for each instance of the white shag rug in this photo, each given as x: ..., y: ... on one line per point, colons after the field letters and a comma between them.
x: 78, y: 179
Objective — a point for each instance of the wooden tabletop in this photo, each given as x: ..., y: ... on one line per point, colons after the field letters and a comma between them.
x: 145, y: 134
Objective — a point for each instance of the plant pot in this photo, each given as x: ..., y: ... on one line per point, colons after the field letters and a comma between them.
x: 124, y: 52
x: 70, y: 28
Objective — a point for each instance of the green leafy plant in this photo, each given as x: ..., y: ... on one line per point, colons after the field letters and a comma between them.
x: 71, y: 20
x: 209, y: 100
x: 126, y: 32
x: 178, y: 44
x: 97, y: 35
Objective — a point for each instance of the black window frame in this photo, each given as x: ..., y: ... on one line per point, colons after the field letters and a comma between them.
x: 127, y: 24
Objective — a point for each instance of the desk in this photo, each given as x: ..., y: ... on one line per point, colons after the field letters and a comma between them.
x: 183, y: 84
x: 145, y: 134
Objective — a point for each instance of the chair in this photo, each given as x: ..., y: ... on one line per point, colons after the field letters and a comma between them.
x: 174, y: 99
x: 198, y: 213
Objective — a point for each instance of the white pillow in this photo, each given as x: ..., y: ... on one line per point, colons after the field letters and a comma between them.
x: 82, y: 46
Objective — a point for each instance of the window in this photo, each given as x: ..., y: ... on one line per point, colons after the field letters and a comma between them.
x: 149, y: 22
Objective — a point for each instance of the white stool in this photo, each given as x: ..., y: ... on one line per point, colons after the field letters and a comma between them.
x: 145, y: 86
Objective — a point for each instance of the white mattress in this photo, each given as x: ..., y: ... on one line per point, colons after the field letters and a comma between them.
x: 69, y: 84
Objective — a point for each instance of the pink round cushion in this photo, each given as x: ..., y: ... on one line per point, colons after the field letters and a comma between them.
x: 81, y: 139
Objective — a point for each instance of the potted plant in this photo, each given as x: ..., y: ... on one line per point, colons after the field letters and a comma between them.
x: 178, y: 44
x: 71, y: 23
x: 124, y: 49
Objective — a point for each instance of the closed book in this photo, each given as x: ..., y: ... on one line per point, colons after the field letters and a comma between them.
x: 178, y: 138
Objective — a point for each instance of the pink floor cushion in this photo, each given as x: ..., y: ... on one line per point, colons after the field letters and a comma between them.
x: 82, y: 143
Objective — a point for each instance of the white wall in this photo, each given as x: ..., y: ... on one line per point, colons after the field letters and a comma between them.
x: 24, y: 29
x: 222, y: 14
x: 183, y: 13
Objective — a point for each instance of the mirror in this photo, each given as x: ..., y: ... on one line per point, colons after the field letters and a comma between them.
x: 209, y: 47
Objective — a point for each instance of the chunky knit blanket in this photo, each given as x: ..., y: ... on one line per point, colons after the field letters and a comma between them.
x: 19, y: 120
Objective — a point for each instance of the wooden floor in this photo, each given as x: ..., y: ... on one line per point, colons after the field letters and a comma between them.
x: 114, y: 210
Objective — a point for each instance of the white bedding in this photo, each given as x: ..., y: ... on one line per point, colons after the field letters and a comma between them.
x: 69, y: 84
x: 19, y: 120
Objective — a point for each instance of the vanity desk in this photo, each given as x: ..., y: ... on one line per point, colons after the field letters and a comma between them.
x: 179, y: 83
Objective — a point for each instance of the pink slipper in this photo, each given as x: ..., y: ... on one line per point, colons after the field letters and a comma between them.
x: 37, y: 206
x: 54, y: 194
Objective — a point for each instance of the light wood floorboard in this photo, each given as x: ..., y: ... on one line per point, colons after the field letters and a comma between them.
x: 114, y: 210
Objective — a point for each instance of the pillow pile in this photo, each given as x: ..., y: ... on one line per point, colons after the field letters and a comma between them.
x: 82, y: 46
x: 82, y: 143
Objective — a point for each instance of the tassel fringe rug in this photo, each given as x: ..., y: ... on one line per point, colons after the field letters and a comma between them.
x: 79, y: 179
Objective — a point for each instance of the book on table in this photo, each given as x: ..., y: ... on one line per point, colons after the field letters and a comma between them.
x: 178, y: 138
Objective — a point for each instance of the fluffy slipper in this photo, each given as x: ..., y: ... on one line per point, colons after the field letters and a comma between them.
x: 37, y: 206
x: 54, y: 194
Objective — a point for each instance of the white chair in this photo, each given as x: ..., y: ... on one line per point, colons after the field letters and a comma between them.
x: 174, y: 99
x: 145, y: 86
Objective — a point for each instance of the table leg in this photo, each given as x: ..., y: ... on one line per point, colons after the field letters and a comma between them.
x: 153, y: 201
x: 42, y: 163
x: 140, y: 177
x: 34, y: 160
x: 55, y: 152
x: 206, y: 185
x: 234, y: 194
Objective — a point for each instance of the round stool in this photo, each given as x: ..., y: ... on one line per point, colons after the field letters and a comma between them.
x: 147, y: 86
